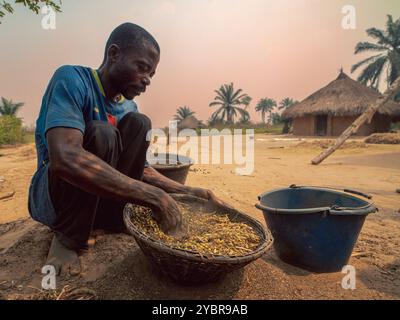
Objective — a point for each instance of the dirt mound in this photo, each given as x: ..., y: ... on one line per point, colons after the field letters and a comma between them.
x: 325, y: 144
x: 384, y: 138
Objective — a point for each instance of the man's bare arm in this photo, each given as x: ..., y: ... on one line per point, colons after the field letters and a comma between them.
x: 153, y: 177
x: 71, y: 162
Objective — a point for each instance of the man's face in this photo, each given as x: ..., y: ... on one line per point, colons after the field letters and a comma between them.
x: 131, y: 71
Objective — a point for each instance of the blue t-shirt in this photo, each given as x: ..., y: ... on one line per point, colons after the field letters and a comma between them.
x: 73, y: 98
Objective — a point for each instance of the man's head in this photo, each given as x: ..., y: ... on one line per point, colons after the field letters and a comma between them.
x: 131, y: 57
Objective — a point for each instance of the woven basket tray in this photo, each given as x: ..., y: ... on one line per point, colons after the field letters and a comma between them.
x: 191, y: 267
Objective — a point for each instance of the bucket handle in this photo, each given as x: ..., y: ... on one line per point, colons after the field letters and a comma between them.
x: 334, y: 210
x: 359, y: 193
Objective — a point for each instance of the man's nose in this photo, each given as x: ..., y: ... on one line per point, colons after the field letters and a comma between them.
x: 146, y: 81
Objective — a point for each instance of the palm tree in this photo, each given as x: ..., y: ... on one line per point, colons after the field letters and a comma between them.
x: 9, y: 108
x: 212, y: 121
x: 286, y: 103
x: 246, y: 101
x: 387, y: 61
x: 182, y: 113
x: 265, y: 105
x: 244, y: 118
x: 228, y: 99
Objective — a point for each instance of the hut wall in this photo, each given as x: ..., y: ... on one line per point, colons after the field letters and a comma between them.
x: 379, y: 123
x: 339, y: 124
x: 303, y: 126
x: 329, y: 129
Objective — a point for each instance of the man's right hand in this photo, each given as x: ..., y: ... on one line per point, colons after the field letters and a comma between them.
x: 168, y: 215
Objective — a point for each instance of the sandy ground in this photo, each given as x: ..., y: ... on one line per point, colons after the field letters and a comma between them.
x: 115, y: 268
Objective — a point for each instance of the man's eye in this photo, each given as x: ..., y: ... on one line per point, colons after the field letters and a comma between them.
x: 143, y: 68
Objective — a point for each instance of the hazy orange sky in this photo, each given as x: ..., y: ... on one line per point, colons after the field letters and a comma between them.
x: 268, y: 48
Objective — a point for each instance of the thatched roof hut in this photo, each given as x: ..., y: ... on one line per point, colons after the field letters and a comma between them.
x: 330, y: 110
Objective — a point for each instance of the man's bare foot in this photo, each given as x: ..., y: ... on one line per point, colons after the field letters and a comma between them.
x: 64, y: 260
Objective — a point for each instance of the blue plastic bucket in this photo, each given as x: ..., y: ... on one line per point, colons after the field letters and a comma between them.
x: 314, y: 228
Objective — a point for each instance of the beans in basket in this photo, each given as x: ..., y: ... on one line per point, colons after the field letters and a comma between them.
x: 205, y: 233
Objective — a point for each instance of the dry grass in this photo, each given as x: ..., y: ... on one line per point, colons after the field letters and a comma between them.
x: 384, y: 138
x: 325, y: 144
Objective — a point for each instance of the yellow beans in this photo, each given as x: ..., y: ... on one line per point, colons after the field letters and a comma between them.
x: 206, y: 233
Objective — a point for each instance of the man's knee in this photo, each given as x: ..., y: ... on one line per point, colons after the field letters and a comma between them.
x: 136, y: 120
x: 100, y: 129
x: 101, y: 138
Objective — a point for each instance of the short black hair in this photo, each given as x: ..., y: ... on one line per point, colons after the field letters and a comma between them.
x: 129, y: 35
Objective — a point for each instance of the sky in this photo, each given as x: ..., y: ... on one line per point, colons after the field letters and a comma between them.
x: 274, y: 49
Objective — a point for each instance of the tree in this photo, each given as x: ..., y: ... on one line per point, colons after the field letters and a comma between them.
x: 265, y: 105
x: 229, y: 100
x: 276, y: 118
x: 246, y: 101
x: 244, y: 118
x: 286, y: 103
x: 32, y: 5
x: 212, y: 121
x: 182, y: 113
x: 387, y: 61
x: 9, y: 108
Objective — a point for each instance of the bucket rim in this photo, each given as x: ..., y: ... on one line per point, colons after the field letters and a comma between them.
x: 187, y: 161
x: 333, y: 210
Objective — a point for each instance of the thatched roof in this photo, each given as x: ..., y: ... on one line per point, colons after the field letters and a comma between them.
x: 342, y: 97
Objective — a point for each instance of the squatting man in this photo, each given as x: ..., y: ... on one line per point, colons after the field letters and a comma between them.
x: 91, y: 148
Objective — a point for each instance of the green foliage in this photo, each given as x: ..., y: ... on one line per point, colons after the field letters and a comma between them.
x: 265, y: 105
x: 9, y: 108
x: 229, y: 101
x: 11, y: 130
x: 276, y: 118
x: 246, y: 101
x: 32, y: 5
x: 182, y: 113
x: 286, y: 103
x: 387, y: 62
x: 28, y: 137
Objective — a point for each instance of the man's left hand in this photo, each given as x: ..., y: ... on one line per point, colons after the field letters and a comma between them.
x: 207, y: 195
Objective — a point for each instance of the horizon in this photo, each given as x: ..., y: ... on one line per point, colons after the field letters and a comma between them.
x: 268, y: 49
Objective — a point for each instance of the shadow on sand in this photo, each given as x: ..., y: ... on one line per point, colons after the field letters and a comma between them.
x: 386, y: 279
x: 136, y: 278
x: 288, y: 269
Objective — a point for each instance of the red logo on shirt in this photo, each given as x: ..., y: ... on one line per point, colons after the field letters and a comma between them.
x: 112, y: 119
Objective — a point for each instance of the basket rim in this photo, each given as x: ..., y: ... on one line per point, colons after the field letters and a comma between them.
x: 264, y: 245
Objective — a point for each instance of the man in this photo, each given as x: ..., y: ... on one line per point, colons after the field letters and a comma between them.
x: 91, y: 147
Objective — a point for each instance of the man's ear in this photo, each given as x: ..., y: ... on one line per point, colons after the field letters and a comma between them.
x: 113, y: 53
